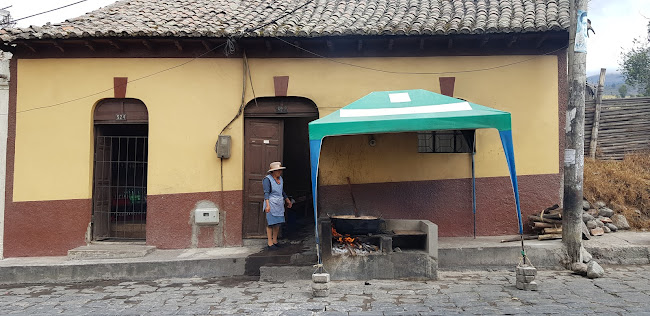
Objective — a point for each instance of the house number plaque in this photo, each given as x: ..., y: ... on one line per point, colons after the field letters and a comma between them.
x: 120, y: 117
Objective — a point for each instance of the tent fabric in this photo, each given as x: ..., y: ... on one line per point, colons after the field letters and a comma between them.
x: 409, y: 111
x: 413, y: 110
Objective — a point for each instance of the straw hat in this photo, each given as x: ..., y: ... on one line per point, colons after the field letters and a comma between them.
x: 276, y: 166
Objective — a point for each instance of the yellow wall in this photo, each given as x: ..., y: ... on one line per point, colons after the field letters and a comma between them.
x: 189, y: 105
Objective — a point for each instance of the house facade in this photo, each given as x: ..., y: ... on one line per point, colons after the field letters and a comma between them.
x: 114, y: 116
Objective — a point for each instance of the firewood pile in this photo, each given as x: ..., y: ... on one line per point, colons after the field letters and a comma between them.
x: 548, y: 223
x: 597, y: 220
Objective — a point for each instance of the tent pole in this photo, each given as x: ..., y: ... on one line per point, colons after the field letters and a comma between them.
x: 474, y: 183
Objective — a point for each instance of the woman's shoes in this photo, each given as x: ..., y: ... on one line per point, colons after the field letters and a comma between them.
x: 272, y: 247
x: 278, y: 245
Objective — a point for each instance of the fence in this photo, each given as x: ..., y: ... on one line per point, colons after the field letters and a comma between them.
x: 624, y: 127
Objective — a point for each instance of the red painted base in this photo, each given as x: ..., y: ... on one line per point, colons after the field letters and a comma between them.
x: 448, y: 203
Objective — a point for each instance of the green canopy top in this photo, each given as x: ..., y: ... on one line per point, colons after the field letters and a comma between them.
x: 407, y: 111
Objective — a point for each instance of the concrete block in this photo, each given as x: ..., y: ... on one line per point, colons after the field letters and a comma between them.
x: 532, y: 286
x: 320, y: 277
x: 320, y: 286
x: 525, y: 278
x: 526, y: 270
x: 321, y: 293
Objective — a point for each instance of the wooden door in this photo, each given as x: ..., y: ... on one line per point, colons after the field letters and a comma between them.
x: 263, y: 146
x: 102, y: 186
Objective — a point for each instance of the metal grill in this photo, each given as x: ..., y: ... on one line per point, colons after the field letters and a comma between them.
x: 120, y: 190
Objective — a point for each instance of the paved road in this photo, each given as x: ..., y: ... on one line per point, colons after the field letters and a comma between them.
x: 625, y: 291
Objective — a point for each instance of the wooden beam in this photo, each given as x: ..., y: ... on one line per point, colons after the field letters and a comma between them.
x: 56, y: 44
x: 485, y: 41
x: 512, y: 41
x: 391, y: 42
x: 89, y: 45
x: 206, y: 45
x: 29, y: 47
x: 330, y: 45
x: 422, y: 44
x: 178, y: 46
x: 269, y: 47
x: 541, y: 41
x: 359, y: 45
x: 450, y: 43
x: 115, y: 44
x: 147, y: 44
x: 596, y: 124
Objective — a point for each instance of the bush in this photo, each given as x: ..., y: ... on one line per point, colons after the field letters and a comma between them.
x: 622, y: 184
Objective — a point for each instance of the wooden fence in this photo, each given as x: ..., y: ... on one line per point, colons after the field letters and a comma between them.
x: 624, y: 127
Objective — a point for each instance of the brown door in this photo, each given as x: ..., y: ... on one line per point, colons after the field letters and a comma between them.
x: 263, y: 146
x: 102, y: 186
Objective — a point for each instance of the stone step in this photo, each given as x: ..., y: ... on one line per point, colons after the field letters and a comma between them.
x: 109, y: 251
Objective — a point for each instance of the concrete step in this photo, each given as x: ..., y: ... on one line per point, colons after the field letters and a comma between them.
x: 182, y: 263
x: 110, y: 251
x: 282, y: 273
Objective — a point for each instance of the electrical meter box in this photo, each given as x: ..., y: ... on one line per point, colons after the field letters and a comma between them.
x: 223, y: 146
x: 206, y: 216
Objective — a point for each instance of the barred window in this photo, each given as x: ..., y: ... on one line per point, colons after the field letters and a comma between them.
x: 454, y: 141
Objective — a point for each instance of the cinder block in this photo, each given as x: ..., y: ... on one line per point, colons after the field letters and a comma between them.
x: 320, y: 286
x: 526, y: 270
x: 520, y: 285
x: 321, y: 293
x: 320, y: 277
x: 532, y: 286
x: 525, y: 278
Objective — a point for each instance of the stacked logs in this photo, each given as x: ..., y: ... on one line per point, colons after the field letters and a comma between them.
x: 548, y: 223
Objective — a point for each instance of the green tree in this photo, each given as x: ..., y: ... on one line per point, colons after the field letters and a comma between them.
x: 622, y: 91
x: 635, y: 66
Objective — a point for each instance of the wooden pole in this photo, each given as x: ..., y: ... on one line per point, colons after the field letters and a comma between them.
x: 599, y: 100
x: 574, y: 151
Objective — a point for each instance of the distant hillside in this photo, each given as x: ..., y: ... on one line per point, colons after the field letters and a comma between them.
x: 612, y: 83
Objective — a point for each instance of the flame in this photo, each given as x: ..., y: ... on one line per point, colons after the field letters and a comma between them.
x: 342, y: 239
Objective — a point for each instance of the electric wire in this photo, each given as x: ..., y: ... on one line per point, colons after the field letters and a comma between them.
x: 229, y: 49
x: 48, y: 11
x: 417, y: 73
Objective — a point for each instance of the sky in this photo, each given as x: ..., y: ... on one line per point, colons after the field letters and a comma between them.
x: 616, y: 22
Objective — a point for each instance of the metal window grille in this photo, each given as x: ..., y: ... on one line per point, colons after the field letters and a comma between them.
x: 454, y: 141
x: 120, y: 190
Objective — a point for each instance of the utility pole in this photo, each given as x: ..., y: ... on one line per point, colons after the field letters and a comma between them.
x: 575, y: 129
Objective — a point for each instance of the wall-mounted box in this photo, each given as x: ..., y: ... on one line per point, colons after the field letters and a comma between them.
x: 223, y: 146
x: 206, y: 216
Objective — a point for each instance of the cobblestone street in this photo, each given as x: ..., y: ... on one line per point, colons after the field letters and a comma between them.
x: 625, y: 291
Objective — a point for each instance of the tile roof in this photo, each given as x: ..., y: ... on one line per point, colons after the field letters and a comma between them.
x: 224, y: 18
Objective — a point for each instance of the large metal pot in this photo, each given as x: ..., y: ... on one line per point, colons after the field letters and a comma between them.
x: 356, y: 225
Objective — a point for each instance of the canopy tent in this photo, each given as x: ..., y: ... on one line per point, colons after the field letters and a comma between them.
x: 409, y: 111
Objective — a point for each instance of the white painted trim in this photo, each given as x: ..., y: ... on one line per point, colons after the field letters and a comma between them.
x: 4, y: 110
x: 450, y: 107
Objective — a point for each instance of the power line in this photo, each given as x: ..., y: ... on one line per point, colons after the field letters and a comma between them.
x: 227, y: 43
x: 48, y: 11
x: 416, y: 73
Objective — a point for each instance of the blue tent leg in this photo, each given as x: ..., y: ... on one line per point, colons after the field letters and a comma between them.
x: 314, y: 150
x: 506, y: 141
x: 474, y: 192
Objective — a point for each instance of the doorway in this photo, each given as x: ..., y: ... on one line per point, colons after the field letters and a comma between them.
x: 275, y: 129
x: 120, y: 171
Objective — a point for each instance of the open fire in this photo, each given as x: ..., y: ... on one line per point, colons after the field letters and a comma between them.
x: 345, y: 244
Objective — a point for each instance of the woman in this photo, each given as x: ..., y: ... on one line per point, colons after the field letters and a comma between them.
x: 274, y: 199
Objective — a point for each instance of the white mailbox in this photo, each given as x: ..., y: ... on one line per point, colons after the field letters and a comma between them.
x: 206, y: 216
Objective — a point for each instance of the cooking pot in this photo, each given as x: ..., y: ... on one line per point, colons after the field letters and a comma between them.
x: 356, y: 225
